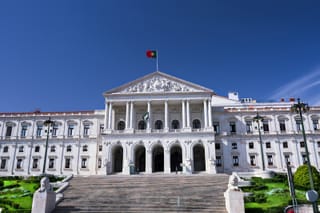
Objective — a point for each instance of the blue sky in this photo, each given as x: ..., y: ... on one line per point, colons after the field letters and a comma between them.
x: 62, y: 55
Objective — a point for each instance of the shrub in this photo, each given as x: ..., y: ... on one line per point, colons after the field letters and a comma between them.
x: 301, y: 178
x: 260, y: 198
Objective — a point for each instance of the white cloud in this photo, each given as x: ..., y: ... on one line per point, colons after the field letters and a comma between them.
x: 307, y: 88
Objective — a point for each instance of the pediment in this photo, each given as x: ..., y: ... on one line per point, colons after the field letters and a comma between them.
x: 158, y: 82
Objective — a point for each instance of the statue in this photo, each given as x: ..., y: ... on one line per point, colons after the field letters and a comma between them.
x: 45, y: 185
x: 233, y: 182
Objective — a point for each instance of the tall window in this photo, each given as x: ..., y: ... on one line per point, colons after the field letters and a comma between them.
x: 298, y: 125
x: 52, y: 148
x: 233, y: 129
x: 235, y: 160
x: 99, y: 163
x: 158, y: 124
x: 101, y: 128
x: 121, y: 125
x: 315, y: 123
x: 285, y: 144
x: 216, y: 128
x: 282, y: 124
x: 9, y: 131
x: 217, y: 146
x: 304, y: 158
x: 265, y: 125
x: 35, y: 163
x: 51, y: 163
x: 100, y: 148
x: 252, y: 160
x: 218, y: 161
x: 287, y: 158
x: 21, y: 148
x: 175, y: 124
x: 70, y: 130
x: 54, y: 130
x: 3, y: 163
x: 5, y: 149
x: 251, y: 145
x: 23, y: 131
x: 268, y: 145
x: 67, y: 163
x: 234, y: 146
x: 142, y: 125
x: 39, y: 130
x: 69, y: 148
x: 19, y: 163
x: 302, y: 145
x: 85, y: 148
x: 249, y: 126
x: 37, y: 149
x: 196, y: 124
x: 84, y: 162
x: 270, y: 160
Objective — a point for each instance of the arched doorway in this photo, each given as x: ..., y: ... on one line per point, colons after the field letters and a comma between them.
x: 140, y: 158
x: 157, y: 159
x: 175, y: 158
x: 198, y: 158
x: 117, y: 159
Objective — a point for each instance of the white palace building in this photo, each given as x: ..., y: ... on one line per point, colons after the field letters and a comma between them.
x: 160, y: 123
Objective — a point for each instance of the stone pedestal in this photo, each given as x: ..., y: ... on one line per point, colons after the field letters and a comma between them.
x: 44, y: 199
x: 234, y: 201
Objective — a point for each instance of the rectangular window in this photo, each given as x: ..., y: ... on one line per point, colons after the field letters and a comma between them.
x: 86, y: 130
x: 318, y: 144
x: 249, y: 126
x: 268, y: 145
x: 69, y: 148
x: 100, y: 148
x: 304, y: 158
x: 3, y: 163
x: 217, y: 146
x: 302, y: 144
x: 101, y: 128
x: 234, y: 146
x: 35, y: 163
x: 84, y: 162
x: 216, y: 128
x: 67, y: 163
x: 270, y: 160
x: 233, y: 129
x: 39, y: 130
x: 265, y: 126
x: 315, y: 123
x: 235, y: 160
x: 23, y: 131
x: 51, y: 163
x: 298, y: 125
x: 9, y: 131
x: 70, y: 130
x: 252, y: 160
x: 99, y: 163
x: 285, y: 144
x: 54, y: 130
x: 287, y: 159
x: 37, y: 149
x: 218, y: 161
x: 251, y: 145
x: 5, y: 149
x: 21, y: 148
x: 282, y: 124
x: 19, y: 163
x: 53, y: 149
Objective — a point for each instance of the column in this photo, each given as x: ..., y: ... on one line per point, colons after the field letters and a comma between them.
x: 209, y: 114
x: 110, y: 116
x: 148, y: 161
x: 105, y: 116
x: 166, y: 161
x: 127, y: 115
x: 112, y: 119
x: 183, y: 114
x: 188, y: 114
x: 131, y: 115
x: 278, y: 155
x: 149, y: 120
x: 205, y: 116
x: 166, y: 128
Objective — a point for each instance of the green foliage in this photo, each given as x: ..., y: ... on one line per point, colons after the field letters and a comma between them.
x: 1, y: 183
x: 301, y: 178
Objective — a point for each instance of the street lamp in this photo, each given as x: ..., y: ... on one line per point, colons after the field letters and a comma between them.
x: 299, y: 108
x: 47, y: 123
x: 258, y: 119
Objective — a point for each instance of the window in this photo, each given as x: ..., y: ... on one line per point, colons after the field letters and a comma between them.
x: 234, y: 145
x: 9, y: 131
x: 19, y: 163
x: 54, y: 130
x: 233, y: 129
x: 318, y: 144
x: 268, y: 145
x: 158, y: 124
x: 142, y: 125
x: 69, y: 149
x: 287, y: 158
x: 85, y: 148
x: 35, y: 163
x: 265, y: 125
x: 216, y: 128
x: 99, y: 163
x: 298, y: 125
x: 51, y: 163
x: 302, y: 145
x: 249, y: 126
x: 23, y: 131
x: 252, y: 160
x: 84, y: 162
x: 251, y: 145
x: 175, y: 124
x: 5, y: 149
x: 70, y: 130
x: 52, y: 148
x: 235, y: 160
x: 39, y: 130
x: 315, y: 123
x: 21, y: 148
x: 218, y: 161
x: 196, y: 124
x: 100, y: 148
x: 67, y: 163
x: 101, y: 128
x: 217, y: 146
x: 37, y: 149
x: 304, y: 158
x: 3, y: 163
x: 270, y: 160
x: 121, y: 125
x: 285, y: 144
x: 282, y: 124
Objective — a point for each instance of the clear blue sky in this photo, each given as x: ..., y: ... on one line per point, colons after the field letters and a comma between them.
x: 62, y: 55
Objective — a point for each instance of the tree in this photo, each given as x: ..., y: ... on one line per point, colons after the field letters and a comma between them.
x: 301, y: 178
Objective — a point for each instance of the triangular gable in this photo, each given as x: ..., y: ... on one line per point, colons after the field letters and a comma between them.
x: 158, y: 82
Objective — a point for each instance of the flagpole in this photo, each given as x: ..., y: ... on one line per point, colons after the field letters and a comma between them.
x: 157, y: 64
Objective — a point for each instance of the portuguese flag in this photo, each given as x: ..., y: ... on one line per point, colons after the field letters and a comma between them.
x: 151, y: 53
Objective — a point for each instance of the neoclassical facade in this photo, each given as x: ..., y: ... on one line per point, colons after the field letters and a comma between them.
x: 159, y: 123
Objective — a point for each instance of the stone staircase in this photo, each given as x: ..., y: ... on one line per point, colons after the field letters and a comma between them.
x: 145, y: 193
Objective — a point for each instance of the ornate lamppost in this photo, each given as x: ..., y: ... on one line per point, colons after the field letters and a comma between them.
x: 258, y: 119
x: 299, y: 108
x: 47, y: 123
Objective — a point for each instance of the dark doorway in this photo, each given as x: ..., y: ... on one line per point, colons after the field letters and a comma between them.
x: 157, y: 159
x: 140, y: 159
x: 199, y: 158
x: 117, y: 156
x: 175, y: 158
